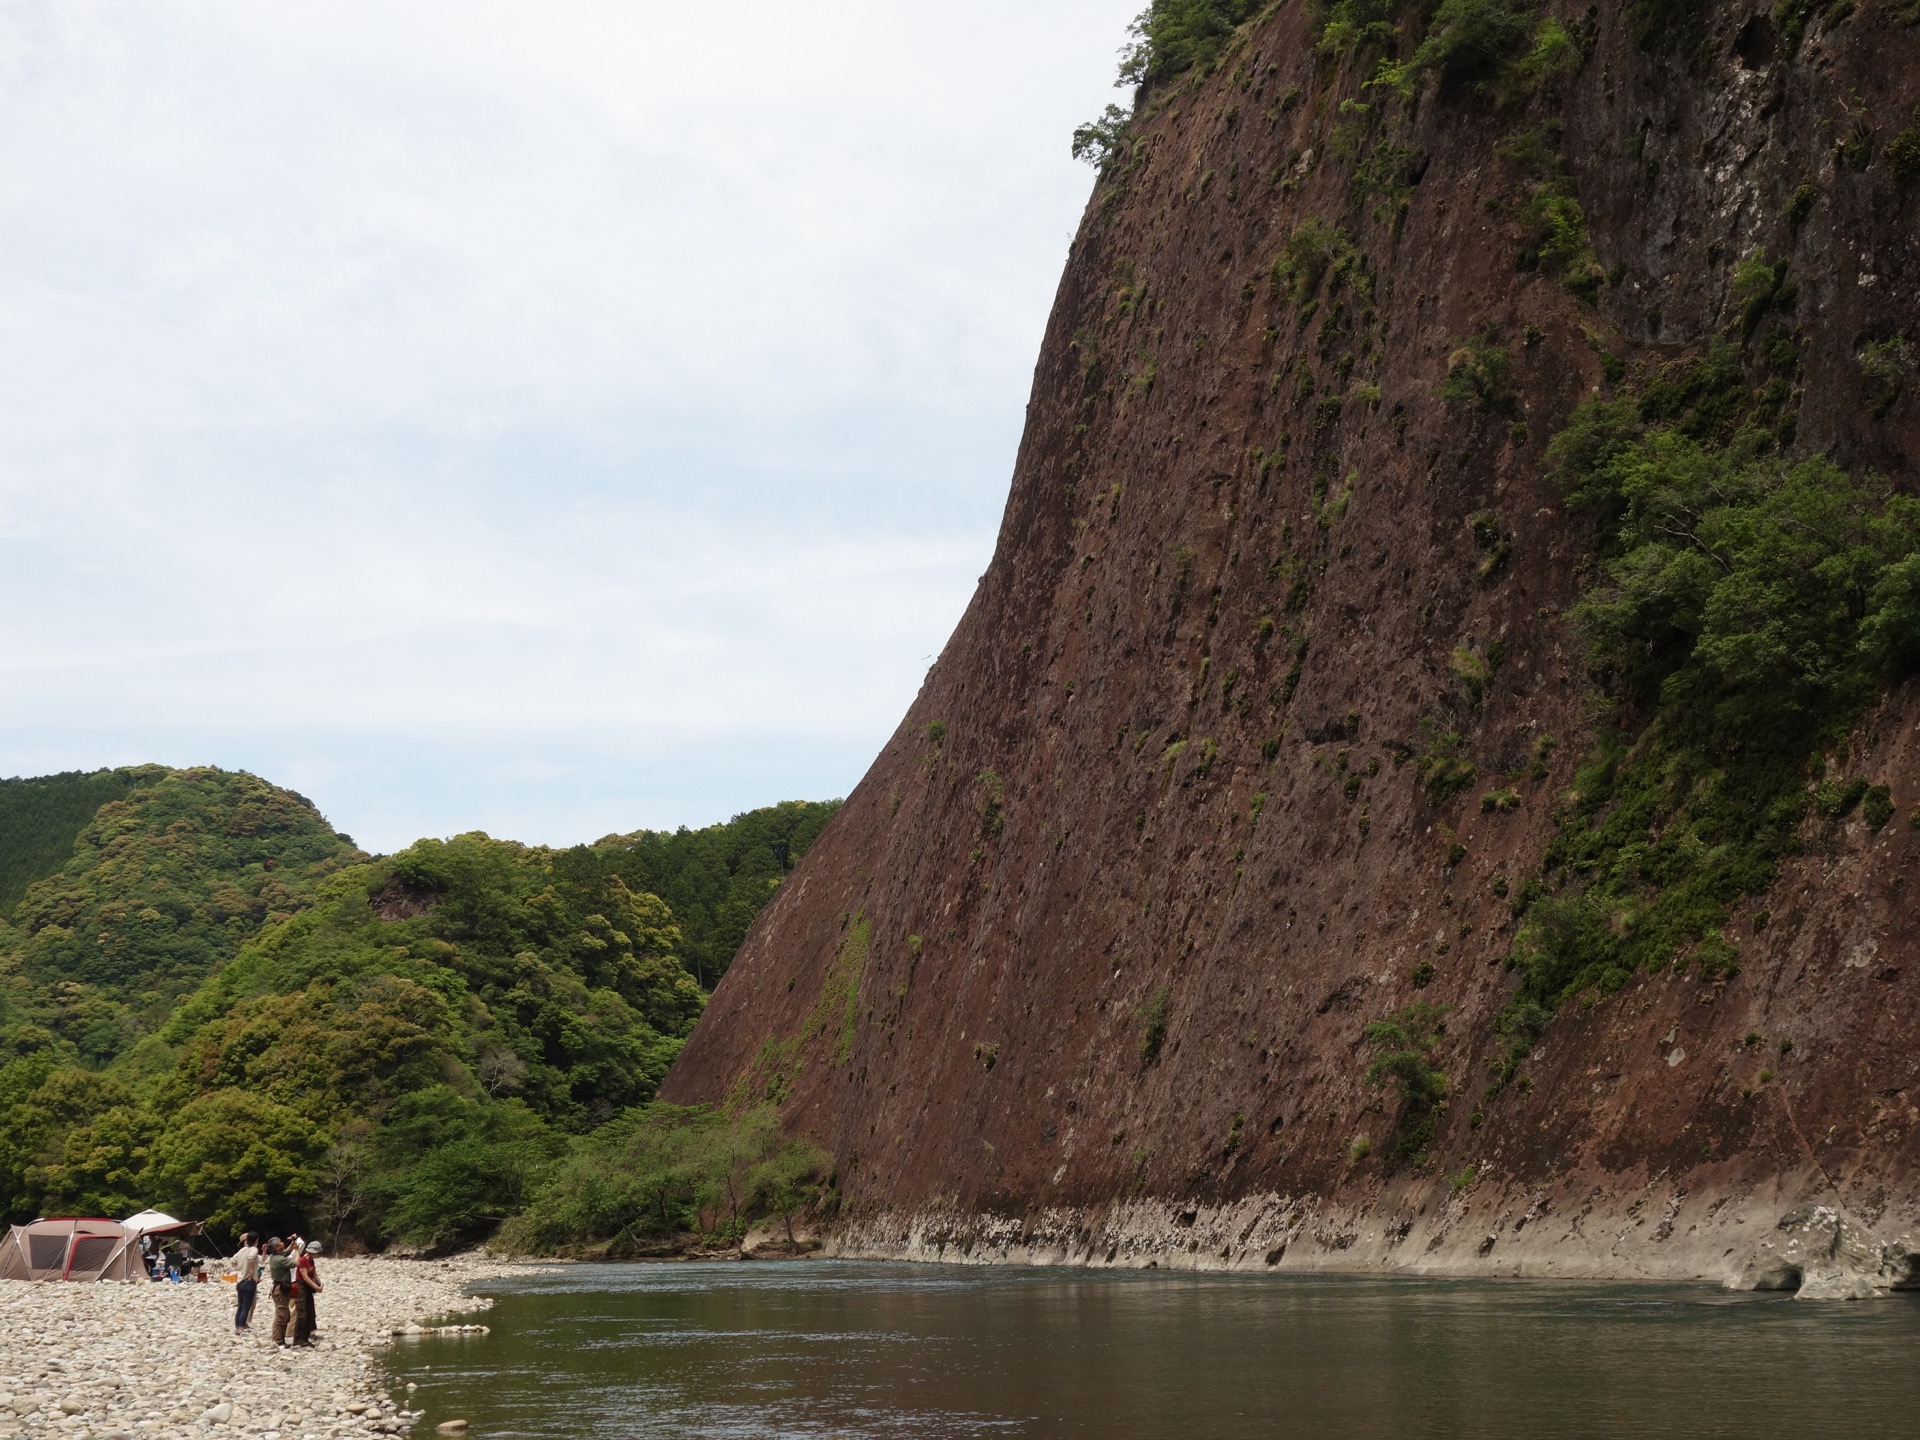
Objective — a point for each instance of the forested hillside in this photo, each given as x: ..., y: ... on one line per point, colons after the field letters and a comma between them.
x: 715, y: 880
x: 158, y: 888
x: 214, y: 1002
x: 40, y: 819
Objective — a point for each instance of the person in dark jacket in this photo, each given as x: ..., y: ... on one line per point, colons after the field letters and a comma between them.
x: 280, y: 1283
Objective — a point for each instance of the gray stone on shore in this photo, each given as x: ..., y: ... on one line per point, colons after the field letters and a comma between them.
x: 119, y: 1361
x: 1816, y: 1254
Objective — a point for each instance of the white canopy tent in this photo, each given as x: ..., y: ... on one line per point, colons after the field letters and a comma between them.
x: 156, y: 1222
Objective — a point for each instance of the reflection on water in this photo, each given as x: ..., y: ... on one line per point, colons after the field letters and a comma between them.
x: 839, y: 1349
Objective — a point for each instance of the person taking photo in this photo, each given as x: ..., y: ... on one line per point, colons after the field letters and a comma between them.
x: 306, y: 1285
x: 246, y: 1263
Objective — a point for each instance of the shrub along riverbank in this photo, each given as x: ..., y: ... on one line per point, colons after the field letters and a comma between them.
x: 219, y: 1005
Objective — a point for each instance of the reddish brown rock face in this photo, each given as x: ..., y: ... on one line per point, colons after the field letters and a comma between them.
x: 1101, y: 927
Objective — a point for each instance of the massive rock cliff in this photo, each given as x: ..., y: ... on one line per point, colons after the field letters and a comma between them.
x: 1083, y: 969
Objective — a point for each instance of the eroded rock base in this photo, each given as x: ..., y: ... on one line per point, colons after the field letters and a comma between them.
x: 1650, y: 1231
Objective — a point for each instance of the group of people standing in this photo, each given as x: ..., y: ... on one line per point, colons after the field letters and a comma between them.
x: 292, y: 1280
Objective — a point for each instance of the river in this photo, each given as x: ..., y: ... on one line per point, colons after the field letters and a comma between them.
x: 822, y: 1349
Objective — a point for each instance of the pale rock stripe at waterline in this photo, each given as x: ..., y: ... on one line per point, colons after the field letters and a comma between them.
x: 97, y: 1361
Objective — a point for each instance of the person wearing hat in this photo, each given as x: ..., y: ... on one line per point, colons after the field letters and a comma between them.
x: 280, y: 1283
x: 306, y: 1285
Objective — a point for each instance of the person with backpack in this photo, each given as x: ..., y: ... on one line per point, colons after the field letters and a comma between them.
x: 280, y: 1282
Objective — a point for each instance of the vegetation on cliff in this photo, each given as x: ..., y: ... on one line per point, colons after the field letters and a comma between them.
x: 1171, y: 37
x: 1748, y: 598
x: 219, y: 1005
x: 1745, y: 608
x: 1745, y: 612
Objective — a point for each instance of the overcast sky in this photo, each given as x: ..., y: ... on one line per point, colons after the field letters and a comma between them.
x: 547, y: 418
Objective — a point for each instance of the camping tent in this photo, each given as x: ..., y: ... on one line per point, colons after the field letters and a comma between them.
x: 71, y: 1250
x: 158, y: 1222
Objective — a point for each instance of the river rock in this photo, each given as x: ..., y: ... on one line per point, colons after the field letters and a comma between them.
x: 137, y: 1361
x: 1816, y: 1253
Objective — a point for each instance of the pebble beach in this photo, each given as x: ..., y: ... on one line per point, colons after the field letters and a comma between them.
x: 128, y: 1361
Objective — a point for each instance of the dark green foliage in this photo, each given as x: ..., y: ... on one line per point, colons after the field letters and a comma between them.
x: 1471, y: 39
x: 1350, y: 26
x: 715, y: 880
x: 1805, y: 196
x: 1553, y: 220
x: 1613, y: 368
x: 1098, y: 141
x: 1319, y: 254
x: 548, y: 980
x: 41, y: 818
x: 1439, y: 767
x: 393, y: 1050
x: 1836, y: 801
x: 1743, y: 589
x: 397, y: 1061
x: 1747, y: 612
x: 1762, y: 287
x: 446, y: 1168
x: 1153, y: 1017
x: 659, y: 1174
x: 161, y: 887
x: 1386, y: 174
x: 1885, y: 365
x: 1856, y: 147
x: 1876, y: 806
x: 236, y: 1158
x: 1554, y: 52
x: 1493, y: 47
x: 1903, y: 152
x: 1491, y: 541
x: 1172, y: 37
x: 1480, y: 372
x: 1669, y: 27
x: 1703, y: 398
x: 1793, y: 17
x: 1404, y: 1045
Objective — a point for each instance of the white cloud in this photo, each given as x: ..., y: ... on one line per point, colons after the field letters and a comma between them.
x: 501, y: 414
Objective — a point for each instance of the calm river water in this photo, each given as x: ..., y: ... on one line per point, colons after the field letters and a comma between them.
x: 822, y: 1348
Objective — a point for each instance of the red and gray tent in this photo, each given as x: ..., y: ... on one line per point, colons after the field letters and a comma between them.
x: 71, y: 1250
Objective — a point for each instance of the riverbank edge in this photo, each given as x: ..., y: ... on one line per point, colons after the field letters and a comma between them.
x: 1790, y: 1235
x: 70, y: 1348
